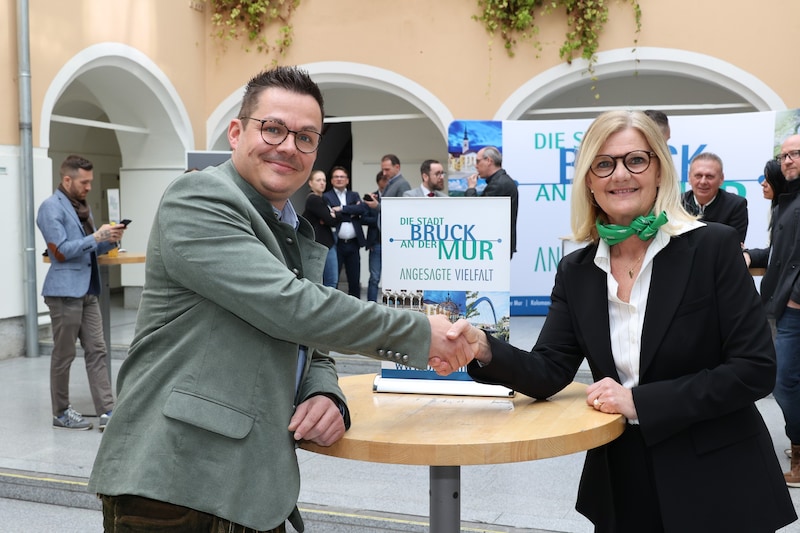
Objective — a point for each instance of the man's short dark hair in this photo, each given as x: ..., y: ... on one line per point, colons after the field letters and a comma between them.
x: 425, y: 167
x: 659, y: 117
x: 289, y: 78
x: 393, y: 159
x: 340, y: 167
x: 73, y: 163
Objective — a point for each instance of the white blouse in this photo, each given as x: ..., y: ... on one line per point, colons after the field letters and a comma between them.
x: 626, y: 319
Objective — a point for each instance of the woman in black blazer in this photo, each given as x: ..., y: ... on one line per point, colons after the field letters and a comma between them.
x: 664, y: 310
x: 324, y: 221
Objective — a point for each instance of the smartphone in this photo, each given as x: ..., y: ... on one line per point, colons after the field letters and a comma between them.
x: 125, y: 222
x: 368, y: 197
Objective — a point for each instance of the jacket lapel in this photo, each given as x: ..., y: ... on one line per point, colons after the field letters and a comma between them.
x: 671, y: 270
x: 586, y: 285
x: 66, y: 205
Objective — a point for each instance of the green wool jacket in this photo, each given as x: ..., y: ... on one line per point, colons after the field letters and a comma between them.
x: 208, y: 387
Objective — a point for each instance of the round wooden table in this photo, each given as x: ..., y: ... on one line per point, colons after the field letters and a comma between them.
x: 446, y: 432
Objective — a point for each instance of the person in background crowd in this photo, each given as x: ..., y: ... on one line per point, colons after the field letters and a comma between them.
x: 372, y: 219
x: 664, y: 310
x: 71, y: 290
x: 773, y: 182
x: 708, y: 201
x: 397, y: 184
x: 780, y: 292
x: 348, y: 208
x: 661, y: 120
x: 498, y: 183
x: 432, y: 174
x: 323, y: 220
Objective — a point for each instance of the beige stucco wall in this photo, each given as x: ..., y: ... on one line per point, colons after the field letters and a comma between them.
x: 435, y: 44
x: 167, y: 31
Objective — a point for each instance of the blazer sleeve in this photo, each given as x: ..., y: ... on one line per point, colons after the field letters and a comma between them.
x: 739, y: 220
x: 554, y: 360
x: 203, y: 224
x: 355, y: 207
x: 62, y: 244
x: 316, y: 206
x: 758, y: 257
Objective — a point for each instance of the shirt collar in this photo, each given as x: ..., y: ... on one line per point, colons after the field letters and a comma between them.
x: 287, y: 215
x: 704, y: 206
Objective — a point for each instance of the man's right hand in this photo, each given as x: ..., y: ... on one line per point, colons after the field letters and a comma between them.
x: 373, y: 204
x: 472, y: 181
x: 109, y: 233
x: 447, y: 354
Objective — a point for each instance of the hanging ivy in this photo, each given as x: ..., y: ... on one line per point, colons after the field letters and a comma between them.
x: 517, y: 20
x: 234, y: 18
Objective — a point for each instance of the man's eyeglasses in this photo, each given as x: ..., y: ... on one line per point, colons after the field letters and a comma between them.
x: 791, y: 154
x: 636, y: 162
x: 274, y: 133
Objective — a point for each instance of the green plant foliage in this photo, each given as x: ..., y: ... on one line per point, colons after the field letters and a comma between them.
x: 516, y: 19
x: 234, y: 18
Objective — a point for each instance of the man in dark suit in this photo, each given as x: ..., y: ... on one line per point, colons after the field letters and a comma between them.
x: 348, y: 208
x: 708, y: 200
x: 498, y: 183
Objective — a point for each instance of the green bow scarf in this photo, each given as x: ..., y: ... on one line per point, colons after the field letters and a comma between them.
x: 643, y: 227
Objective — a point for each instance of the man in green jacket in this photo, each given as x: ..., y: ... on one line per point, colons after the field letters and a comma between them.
x: 228, y: 367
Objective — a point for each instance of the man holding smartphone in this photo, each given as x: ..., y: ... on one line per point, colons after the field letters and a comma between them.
x: 71, y: 290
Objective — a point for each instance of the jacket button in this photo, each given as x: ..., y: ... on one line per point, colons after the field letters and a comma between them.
x: 405, y: 358
x: 390, y: 354
x: 296, y: 272
x: 289, y: 240
x: 381, y: 352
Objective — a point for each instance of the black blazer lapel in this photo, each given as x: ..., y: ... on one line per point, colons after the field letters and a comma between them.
x: 587, y: 294
x: 671, y: 270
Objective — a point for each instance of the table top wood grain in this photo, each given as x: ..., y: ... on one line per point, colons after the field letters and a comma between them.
x: 122, y: 258
x: 435, y: 430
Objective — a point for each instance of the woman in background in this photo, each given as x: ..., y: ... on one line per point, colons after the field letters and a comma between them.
x: 324, y: 220
x: 773, y: 184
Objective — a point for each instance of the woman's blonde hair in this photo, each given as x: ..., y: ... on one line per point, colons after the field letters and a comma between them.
x: 668, y: 197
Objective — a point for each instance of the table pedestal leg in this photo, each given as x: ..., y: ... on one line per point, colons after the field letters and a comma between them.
x: 105, y: 313
x: 445, y: 499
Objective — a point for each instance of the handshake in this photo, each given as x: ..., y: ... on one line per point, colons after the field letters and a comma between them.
x: 453, y: 345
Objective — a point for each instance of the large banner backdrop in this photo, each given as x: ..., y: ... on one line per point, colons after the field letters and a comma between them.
x: 540, y: 156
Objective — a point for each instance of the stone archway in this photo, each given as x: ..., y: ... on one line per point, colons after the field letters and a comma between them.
x: 114, y: 105
x: 677, y: 81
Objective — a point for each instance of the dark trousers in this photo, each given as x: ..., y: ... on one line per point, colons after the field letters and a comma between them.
x: 135, y: 514
x: 787, y: 385
x: 350, y: 257
x: 73, y: 319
